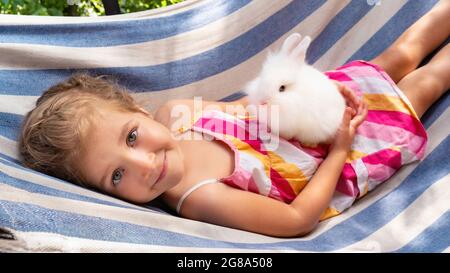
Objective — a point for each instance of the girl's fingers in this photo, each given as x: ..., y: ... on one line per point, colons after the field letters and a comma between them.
x: 361, y: 116
x: 349, y: 96
x: 347, y: 117
x: 361, y: 106
x: 354, y: 100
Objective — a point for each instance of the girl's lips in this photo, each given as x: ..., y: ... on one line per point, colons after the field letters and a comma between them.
x: 164, y: 169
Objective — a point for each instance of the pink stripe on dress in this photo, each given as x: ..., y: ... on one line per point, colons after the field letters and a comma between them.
x: 347, y: 183
x: 238, y: 179
x: 319, y: 152
x: 397, y: 119
x: 359, y: 73
x: 274, y: 193
x: 343, y: 78
x: 379, y: 172
x: 283, y: 186
x: 252, y: 186
x: 386, y: 157
x: 338, y: 76
x: 377, y: 131
x: 242, y: 135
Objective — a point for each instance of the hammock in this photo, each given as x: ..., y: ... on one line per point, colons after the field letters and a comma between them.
x: 207, y: 48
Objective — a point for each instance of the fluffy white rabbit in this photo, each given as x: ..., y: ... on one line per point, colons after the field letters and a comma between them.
x: 310, y: 105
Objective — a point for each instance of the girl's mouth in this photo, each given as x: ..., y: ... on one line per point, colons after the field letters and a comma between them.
x: 164, y: 169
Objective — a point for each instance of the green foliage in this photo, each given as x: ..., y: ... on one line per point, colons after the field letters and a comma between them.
x: 81, y: 7
x: 33, y: 7
x: 128, y: 6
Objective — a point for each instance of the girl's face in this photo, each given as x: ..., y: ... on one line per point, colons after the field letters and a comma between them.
x: 131, y: 156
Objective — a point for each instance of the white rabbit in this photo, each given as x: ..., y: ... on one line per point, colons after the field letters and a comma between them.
x: 310, y: 105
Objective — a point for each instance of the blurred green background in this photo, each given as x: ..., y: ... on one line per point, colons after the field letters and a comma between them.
x: 80, y: 7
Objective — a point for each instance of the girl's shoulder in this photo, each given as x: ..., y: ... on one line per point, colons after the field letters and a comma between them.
x: 163, y: 113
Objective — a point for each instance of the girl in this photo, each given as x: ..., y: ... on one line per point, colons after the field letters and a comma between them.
x: 89, y: 131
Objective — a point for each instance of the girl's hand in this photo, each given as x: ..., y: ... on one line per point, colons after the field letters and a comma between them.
x: 346, y: 132
x: 349, y: 96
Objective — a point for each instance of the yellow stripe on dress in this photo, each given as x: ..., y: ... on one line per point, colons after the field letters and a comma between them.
x: 354, y: 155
x: 246, y: 148
x: 289, y: 171
x: 328, y: 213
x: 386, y: 103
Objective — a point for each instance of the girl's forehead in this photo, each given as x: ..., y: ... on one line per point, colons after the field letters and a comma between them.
x: 111, y: 121
x: 112, y: 116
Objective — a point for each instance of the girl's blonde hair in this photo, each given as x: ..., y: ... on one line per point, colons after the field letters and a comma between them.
x: 53, y: 132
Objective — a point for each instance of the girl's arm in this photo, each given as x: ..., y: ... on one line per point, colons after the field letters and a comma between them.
x: 223, y: 205
x: 317, y: 194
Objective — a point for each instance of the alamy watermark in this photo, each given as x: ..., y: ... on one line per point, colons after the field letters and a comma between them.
x: 252, y: 122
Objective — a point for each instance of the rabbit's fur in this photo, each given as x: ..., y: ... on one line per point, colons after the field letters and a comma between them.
x: 310, y: 105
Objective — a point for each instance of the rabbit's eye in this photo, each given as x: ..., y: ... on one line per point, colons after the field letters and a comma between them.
x: 281, y: 89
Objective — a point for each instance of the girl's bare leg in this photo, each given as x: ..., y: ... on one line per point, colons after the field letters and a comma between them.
x: 419, y: 40
x: 426, y: 84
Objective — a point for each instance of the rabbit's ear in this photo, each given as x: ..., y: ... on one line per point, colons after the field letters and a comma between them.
x: 290, y: 43
x: 299, y: 52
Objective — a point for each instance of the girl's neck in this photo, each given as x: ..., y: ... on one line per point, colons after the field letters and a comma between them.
x: 203, y: 159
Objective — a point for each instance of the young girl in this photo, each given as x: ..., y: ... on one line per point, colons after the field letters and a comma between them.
x: 89, y: 131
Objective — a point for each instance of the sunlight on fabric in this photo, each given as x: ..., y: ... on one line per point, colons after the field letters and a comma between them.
x: 410, y: 223
x: 160, y: 51
x: 9, y: 147
x: 51, y: 242
x: 128, y: 216
x: 358, y: 35
x: 19, y: 105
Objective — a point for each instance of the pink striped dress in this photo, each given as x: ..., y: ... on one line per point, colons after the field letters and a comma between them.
x: 390, y: 137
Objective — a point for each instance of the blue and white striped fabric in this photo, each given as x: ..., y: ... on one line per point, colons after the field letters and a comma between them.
x: 206, y: 48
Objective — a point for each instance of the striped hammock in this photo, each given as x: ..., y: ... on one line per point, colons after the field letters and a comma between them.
x: 207, y: 48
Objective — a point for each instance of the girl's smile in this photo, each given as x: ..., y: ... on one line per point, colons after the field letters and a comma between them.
x: 163, y: 169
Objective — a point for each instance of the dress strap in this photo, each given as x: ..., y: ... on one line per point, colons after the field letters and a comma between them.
x: 196, y: 186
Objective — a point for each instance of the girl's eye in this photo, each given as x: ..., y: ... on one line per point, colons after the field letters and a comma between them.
x: 132, y: 136
x: 282, y: 88
x: 116, y: 177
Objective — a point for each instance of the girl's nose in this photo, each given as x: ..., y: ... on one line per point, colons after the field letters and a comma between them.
x: 143, y: 164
